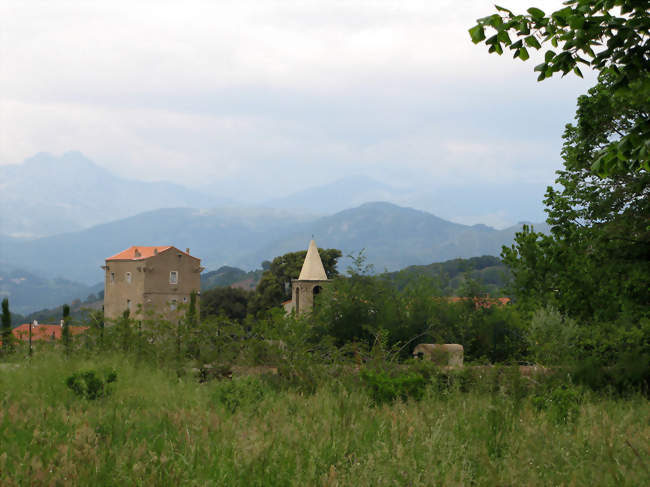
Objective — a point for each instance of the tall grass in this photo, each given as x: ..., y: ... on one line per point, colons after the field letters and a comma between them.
x: 158, y: 429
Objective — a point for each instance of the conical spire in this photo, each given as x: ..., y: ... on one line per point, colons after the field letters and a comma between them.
x: 312, y: 268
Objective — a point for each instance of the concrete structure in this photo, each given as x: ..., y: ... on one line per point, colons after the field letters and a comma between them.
x: 150, y: 279
x: 309, y: 283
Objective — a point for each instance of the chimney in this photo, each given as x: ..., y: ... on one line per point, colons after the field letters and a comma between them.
x: 137, y: 253
x: 61, y: 323
x: 155, y: 251
x: 187, y: 250
x: 35, y: 323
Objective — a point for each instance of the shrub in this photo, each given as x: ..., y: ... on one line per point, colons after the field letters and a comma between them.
x: 89, y: 385
x: 233, y: 394
x: 561, y: 403
x: 551, y: 337
x: 384, y: 388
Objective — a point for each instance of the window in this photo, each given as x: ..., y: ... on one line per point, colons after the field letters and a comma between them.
x: 185, y: 299
x: 172, y: 305
x: 173, y: 277
x: 128, y: 278
x: 112, y: 277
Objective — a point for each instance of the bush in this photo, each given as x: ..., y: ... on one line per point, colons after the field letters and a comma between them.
x: 561, y: 403
x: 89, y: 385
x: 551, y: 337
x: 384, y: 388
x: 628, y: 375
x: 233, y: 394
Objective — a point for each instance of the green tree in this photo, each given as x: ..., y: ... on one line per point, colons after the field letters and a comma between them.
x: 595, y: 264
x: 66, y: 337
x: 191, y: 311
x: 227, y: 301
x: 6, y: 325
x: 610, y: 36
x: 275, y: 285
x: 124, y: 331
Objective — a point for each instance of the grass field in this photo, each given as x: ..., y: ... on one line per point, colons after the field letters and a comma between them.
x: 157, y: 429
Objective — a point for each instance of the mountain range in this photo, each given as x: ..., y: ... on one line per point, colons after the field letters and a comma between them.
x: 61, y: 217
x: 47, y: 195
x: 393, y: 237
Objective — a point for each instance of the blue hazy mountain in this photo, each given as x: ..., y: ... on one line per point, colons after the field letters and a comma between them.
x: 47, y: 195
x: 393, y: 237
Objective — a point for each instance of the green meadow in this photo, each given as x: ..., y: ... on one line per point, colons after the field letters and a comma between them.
x: 160, y: 426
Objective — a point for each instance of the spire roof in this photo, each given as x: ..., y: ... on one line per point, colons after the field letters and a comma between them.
x: 312, y: 268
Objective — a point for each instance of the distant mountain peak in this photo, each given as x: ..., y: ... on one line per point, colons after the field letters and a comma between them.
x: 74, y: 192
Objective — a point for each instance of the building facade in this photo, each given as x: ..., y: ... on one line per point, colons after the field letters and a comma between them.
x: 148, y: 280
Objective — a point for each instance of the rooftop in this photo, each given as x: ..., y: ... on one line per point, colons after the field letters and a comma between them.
x: 139, y: 252
x: 312, y: 268
x: 44, y: 332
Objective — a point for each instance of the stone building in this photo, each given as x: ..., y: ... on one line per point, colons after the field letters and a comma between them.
x: 305, y: 289
x: 150, y: 279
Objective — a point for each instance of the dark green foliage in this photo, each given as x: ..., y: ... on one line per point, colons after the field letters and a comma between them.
x: 89, y: 385
x: 208, y: 372
x: 359, y: 307
x: 6, y: 325
x: 595, y: 263
x: 561, y: 403
x: 227, y: 301
x: 191, y: 310
x: 385, y: 388
x: 124, y: 331
x: 66, y: 336
x: 628, y: 374
x: 450, y: 276
x: 234, y: 394
x: 610, y: 36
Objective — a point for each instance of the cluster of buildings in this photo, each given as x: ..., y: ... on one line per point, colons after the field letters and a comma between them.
x: 159, y: 280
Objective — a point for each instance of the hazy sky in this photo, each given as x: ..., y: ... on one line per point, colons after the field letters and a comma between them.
x: 257, y: 99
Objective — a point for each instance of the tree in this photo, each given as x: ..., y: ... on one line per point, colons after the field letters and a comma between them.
x: 228, y: 301
x: 275, y: 285
x: 191, y: 311
x: 610, y: 36
x: 595, y: 264
x: 6, y: 325
x: 65, y: 332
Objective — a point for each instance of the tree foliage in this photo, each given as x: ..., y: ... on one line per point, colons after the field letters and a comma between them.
x: 595, y: 264
x: 6, y: 325
x: 610, y: 36
x: 227, y: 301
x: 66, y: 336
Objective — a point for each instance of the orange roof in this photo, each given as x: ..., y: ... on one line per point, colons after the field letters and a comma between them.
x: 44, y: 332
x: 137, y: 252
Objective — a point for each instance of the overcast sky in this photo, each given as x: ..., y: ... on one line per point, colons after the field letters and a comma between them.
x: 259, y: 98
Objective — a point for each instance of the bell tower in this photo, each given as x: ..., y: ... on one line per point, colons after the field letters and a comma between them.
x: 305, y: 289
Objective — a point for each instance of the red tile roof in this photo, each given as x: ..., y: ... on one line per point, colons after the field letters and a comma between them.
x: 44, y: 332
x: 137, y: 252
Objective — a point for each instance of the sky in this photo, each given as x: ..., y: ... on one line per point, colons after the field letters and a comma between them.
x: 256, y: 99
